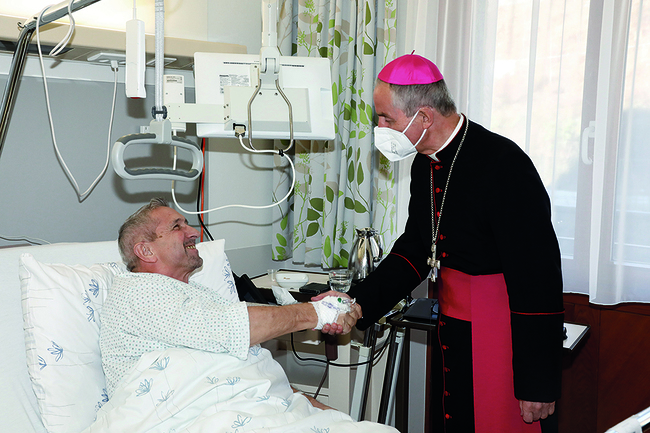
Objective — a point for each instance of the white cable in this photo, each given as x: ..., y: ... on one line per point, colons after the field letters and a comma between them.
x: 84, y: 195
x: 61, y: 45
x: 274, y: 152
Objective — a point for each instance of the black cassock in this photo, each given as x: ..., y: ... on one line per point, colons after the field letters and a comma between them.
x: 495, y: 229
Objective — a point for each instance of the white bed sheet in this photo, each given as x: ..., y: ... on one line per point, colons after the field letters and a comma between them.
x: 193, y: 391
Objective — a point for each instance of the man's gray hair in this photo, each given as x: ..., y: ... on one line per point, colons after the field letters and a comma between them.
x: 435, y: 95
x: 137, y: 228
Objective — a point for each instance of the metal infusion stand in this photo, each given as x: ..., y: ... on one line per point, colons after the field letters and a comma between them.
x: 20, y: 56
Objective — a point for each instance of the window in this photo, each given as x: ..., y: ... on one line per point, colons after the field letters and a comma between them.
x: 570, y: 87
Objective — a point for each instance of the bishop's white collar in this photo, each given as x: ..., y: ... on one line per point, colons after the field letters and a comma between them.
x: 434, y: 155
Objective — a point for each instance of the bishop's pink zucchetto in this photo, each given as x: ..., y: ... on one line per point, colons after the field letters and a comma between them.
x: 410, y: 69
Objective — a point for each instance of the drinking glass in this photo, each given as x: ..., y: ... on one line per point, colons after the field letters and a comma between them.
x: 340, y: 279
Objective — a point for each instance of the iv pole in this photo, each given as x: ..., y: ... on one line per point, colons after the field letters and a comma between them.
x: 20, y: 56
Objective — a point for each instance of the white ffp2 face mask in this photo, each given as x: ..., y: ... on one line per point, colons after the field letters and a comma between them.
x: 395, y: 145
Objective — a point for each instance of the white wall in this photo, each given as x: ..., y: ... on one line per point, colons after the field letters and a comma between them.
x: 237, y: 22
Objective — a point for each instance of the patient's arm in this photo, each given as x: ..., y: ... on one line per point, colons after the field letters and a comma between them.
x: 268, y: 322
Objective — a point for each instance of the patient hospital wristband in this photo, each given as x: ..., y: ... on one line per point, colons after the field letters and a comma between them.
x: 329, y: 308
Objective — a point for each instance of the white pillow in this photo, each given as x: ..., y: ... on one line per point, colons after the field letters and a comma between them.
x: 215, y: 272
x: 62, y: 311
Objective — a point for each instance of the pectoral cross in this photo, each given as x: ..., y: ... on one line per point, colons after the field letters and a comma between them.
x: 434, y: 263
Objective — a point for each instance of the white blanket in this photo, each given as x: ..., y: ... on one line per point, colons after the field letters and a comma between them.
x: 187, y: 390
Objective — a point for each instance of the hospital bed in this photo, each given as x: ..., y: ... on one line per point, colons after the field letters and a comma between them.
x: 52, y: 268
x: 50, y: 369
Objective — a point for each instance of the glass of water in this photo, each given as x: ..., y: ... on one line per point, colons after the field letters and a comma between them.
x: 272, y: 273
x: 340, y: 279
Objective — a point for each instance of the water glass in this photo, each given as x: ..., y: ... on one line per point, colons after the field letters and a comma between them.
x: 272, y: 275
x: 340, y: 279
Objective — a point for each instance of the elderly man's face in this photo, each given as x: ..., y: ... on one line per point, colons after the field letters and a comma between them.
x: 392, y: 117
x: 175, y: 244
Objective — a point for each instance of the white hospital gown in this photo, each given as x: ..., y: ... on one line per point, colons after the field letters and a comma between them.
x: 145, y: 312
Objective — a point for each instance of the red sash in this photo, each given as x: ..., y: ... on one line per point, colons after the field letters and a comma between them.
x: 483, y: 301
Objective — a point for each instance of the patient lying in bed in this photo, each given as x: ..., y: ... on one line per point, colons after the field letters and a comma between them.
x: 179, y: 357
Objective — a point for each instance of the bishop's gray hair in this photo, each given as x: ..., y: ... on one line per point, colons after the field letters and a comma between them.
x: 411, y: 97
x: 137, y: 228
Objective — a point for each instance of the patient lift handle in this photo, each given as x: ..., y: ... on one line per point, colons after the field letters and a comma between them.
x: 160, y: 133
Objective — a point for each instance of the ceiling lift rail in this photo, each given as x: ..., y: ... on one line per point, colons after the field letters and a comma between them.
x: 20, y: 56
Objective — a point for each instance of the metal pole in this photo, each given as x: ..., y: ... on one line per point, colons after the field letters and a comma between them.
x: 58, y: 11
x: 15, y: 72
x: 370, y: 339
x: 20, y: 56
x: 392, y: 362
x: 397, y: 360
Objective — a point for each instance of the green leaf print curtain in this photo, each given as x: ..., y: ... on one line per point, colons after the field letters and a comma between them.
x: 342, y: 184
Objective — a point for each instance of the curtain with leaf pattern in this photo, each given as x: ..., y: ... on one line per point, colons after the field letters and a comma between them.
x: 342, y: 184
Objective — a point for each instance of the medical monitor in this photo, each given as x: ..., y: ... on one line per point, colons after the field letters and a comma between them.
x: 230, y: 80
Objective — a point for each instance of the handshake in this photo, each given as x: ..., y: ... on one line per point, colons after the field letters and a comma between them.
x: 337, y: 313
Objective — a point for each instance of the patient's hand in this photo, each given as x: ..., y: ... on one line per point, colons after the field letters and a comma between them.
x: 317, y: 404
x: 346, y: 321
